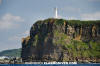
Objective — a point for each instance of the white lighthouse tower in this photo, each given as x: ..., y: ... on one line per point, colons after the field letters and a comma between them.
x: 56, y: 13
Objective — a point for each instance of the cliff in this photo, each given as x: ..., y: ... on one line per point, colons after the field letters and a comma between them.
x: 62, y: 40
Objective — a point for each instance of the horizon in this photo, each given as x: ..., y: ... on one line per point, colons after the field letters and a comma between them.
x: 17, y: 16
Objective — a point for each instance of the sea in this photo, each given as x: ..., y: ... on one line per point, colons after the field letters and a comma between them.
x: 49, y: 64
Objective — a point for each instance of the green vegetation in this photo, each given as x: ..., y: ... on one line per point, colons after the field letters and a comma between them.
x: 12, y: 53
x: 77, y: 48
x: 78, y: 22
x: 60, y: 38
x: 60, y: 22
x: 36, y: 40
x: 48, y: 20
x: 70, y: 22
x: 95, y: 49
x: 81, y: 49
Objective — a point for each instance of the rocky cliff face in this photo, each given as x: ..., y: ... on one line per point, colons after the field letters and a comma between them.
x: 62, y: 40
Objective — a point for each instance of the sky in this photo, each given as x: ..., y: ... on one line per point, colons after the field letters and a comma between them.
x: 17, y: 16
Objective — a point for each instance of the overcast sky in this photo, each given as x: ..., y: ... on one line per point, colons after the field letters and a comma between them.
x: 17, y: 16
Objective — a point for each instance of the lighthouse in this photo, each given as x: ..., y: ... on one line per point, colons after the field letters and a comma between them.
x: 56, y: 13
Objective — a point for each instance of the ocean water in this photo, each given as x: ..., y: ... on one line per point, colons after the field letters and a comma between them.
x: 49, y: 64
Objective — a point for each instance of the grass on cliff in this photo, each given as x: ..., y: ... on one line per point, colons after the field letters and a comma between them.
x: 60, y: 38
x: 78, y: 22
x: 81, y: 49
x: 77, y: 48
x: 60, y: 22
x: 70, y: 22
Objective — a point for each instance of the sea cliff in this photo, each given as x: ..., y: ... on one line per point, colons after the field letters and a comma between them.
x: 62, y: 40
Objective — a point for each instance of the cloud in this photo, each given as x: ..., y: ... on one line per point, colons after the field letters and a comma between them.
x: 18, y: 37
x: 9, y: 21
x: 68, y: 17
x: 72, y: 18
x: 26, y: 33
x: 0, y: 1
x: 94, y: 0
x: 91, y: 16
x: 71, y: 9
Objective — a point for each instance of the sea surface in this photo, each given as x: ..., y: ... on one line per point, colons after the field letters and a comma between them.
x: 49, y: 64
